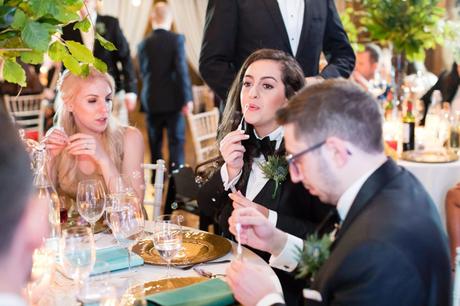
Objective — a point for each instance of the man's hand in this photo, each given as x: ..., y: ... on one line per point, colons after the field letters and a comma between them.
x: 249, y: 283
x: 240, y: 201
x: 130, y: 101
x: 187, y: 108
x: 257, y: 231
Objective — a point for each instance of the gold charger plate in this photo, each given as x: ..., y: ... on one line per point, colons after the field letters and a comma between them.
x: 197, y: 247
x: 100, y: 225
x: 442, y: 156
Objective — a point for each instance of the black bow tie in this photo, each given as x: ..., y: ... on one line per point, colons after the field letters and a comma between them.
x: 264, y: 146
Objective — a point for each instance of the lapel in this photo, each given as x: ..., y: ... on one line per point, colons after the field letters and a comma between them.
x: 273, y: 8
x: 374, y: 184
x: 305, y: 26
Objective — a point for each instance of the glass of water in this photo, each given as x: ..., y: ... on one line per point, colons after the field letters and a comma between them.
x: 167, y: 237
x: 78, y: 252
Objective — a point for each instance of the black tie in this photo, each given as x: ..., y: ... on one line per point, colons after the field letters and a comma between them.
x: 263, y: 146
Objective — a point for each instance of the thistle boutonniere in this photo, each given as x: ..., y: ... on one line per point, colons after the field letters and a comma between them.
x: 313, y: 255
x: 275, y: 168
x: 100, y: 28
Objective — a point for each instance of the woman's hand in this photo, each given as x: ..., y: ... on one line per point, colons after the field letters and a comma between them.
x: 240, y: 201
x: 55, y: 141
x: 84, y: 144
x: 232, y: 152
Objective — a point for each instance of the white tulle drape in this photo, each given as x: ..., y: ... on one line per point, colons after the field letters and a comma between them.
x: 189, y: 18
x: 133, y: 19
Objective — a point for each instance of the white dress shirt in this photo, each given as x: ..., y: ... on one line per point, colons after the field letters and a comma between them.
x: 292, y: 12
x: 89, y: 37
x: 10, y: 299
x: 257, y: 179
x: 287, y: 259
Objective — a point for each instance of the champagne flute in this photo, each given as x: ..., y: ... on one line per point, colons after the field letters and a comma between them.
x: 121, y: 183
x: 91, y: 201
x: 78, y: 252
x: 167, y: 237
x: 126, y: 220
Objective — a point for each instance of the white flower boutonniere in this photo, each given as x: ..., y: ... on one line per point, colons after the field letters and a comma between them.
x: 275, y: 168
x: 313, y: 255
x: 100, y: 28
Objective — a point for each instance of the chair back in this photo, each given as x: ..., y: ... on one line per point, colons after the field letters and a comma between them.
x: 28, y: 112
x: 203, y: 128
x: 159, y: 168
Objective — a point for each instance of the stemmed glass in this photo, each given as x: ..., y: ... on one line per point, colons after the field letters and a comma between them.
x: 126, y: 220
x: 78, y: 252
x: 91, y: 201
x: 167, y: 237
x: 121, y: 183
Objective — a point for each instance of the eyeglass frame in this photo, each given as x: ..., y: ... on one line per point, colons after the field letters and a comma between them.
x: 290, y: 158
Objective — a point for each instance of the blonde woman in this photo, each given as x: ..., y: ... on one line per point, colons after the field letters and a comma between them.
x: 87, y: 142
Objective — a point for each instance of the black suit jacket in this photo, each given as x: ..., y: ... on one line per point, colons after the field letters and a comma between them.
x: 299, y: 213
x: 124, y: 78
x: 391, y: 248
x: 166, y: 83
x: 236, y: 28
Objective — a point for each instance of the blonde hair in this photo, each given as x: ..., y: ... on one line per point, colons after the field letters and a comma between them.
x: 65, y: 168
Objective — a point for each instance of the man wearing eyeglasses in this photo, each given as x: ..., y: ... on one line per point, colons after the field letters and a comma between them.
x: 390, y: 249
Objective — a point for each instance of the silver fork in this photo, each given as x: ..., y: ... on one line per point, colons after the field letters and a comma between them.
x: 207, y: 273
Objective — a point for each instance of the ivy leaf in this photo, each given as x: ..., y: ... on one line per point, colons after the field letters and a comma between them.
x: 57, y: 51
x: 100, y: 65
x: 32, y: 57
x: 13, y: 72
x: 105, y: 43
x: 80, y: 52
x: 19, y: 20
x: 84, y: 70
x: 6, y: 16
x: 72, y: 64
x: 82, y: 25
x: 37, y: 35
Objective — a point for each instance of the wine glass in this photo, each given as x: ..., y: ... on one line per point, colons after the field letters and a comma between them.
x: 78, y: 252
x: 91, y: 201
x: 167, y: 237
x: 125, y: 217
x: 121, y: 183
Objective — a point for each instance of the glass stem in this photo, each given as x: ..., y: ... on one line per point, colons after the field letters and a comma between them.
x: 168, y: 268
x: 92, y: 227
x: 129, y: 259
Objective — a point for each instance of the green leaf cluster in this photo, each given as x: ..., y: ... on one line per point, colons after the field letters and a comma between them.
x: 351, y: 29
x: 31, y: 28
x: 410, y: 26
x: 313, y: 255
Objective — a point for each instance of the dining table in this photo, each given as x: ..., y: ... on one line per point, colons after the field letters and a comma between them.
x: 437, y: 178
x: 63, y: 290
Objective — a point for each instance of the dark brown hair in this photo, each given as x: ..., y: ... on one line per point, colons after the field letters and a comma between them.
x: 335, y: 108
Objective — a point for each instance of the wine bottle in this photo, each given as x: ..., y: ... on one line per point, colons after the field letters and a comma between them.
x: 409, y: 128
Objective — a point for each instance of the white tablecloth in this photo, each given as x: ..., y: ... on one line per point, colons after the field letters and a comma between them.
x: 436, y: 178
x: 63, y: 290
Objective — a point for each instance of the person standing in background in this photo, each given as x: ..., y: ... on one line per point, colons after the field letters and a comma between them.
x: 367, y: 66
x: 125, y: 78
x: 235, y: 28
x: 166, y: 91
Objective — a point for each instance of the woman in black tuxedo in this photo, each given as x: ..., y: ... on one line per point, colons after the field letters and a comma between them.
x: 265, y: 82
